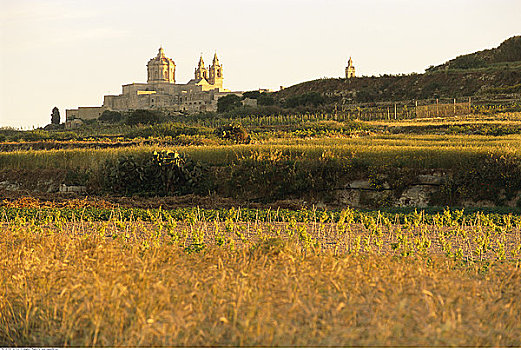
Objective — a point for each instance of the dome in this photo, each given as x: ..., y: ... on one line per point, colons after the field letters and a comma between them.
x: 161, y: 58
x: 161, y: 68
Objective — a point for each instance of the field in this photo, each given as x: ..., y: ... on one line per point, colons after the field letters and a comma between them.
x: 315, y: 157
x: 286, y: 278
x: 181, y: 236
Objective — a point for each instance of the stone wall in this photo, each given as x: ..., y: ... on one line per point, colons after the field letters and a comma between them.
x: 84, y: 113
x: 362, y: 193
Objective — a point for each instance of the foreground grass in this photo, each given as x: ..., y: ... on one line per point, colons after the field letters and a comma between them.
x: 127, y: 284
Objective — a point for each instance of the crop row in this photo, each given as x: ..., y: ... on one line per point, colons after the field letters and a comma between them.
x: 433, y: 216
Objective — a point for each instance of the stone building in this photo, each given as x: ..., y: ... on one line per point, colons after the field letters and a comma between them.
x: 350, y: 69
x: 161, y: 91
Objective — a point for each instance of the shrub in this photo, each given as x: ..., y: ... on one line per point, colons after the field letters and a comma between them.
x: 279, y: 177
x: 312, y: 98
x: 160, y: 173
x: 233, y: 132
x: 144, y: 116
x: 488, y: 178
x: 251, y: 94
x: 111, y: 117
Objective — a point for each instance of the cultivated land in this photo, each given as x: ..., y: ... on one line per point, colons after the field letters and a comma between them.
x: 286, y: 278
x: 234, y: 229
x: 298, y: 159
x: 112, y: 268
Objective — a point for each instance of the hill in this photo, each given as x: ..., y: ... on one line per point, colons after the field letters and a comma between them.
x: 488, y: 72
x: 508, y: 52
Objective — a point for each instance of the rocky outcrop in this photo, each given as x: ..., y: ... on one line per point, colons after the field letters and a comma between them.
x: 363, y: 193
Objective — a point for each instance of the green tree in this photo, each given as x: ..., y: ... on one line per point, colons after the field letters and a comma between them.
x: 266, y: 100
x: 55, y: 116
x: 251, y: 94
x: 228, y: 102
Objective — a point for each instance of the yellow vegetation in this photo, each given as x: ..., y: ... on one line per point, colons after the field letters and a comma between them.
x: 123, y: 284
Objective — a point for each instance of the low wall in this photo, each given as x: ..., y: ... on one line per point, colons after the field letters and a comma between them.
x: 423, y: 191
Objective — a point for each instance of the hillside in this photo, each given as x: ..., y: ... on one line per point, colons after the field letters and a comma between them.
x: 497, y: 71
x: 508, y: 52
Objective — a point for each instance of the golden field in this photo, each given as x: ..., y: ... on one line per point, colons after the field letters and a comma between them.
x: 225, y: 283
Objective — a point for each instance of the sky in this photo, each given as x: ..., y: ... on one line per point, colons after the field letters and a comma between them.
x: 67, y: 53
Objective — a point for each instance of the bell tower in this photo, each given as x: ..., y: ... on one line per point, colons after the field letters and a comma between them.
x: 201, y: 72
x: 161, y: 69
x: 350, y: 69
x: 215, y: 76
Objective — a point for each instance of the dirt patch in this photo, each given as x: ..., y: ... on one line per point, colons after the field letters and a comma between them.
x: 42, y: 199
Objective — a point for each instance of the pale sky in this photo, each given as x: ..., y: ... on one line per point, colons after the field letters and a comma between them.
x: 71, y: 53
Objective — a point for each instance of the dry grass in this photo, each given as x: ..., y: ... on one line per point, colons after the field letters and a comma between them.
x: 422, y: 151
x: 60, y: 288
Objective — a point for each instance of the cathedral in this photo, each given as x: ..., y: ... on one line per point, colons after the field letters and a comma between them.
x: 161, y: 91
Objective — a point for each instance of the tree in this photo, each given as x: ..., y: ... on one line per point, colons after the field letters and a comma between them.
x: 266, y: 100
x: 55, y: 116
x: 251, y: 94
x: 228, y: 102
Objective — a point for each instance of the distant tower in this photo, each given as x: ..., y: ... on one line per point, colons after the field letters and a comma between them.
x: 215, y: 76
x: 350, y: 69
x: 201, y: 72
x: 161, y: 69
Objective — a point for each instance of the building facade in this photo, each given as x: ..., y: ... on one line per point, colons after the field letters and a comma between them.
x: 350, y: 69
x: 161, y: 91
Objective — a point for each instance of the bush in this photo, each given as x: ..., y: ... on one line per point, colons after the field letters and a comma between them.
x: 235, y: 133
x: 490, y: 178
x: 111, y: 117
x: 160, y: 173
x: 251, y: 94
x: 312, y: 98
x: 144, y: 116
x: 280, y: 177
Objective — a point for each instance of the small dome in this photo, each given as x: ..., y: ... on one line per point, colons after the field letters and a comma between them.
x: 161, y: 58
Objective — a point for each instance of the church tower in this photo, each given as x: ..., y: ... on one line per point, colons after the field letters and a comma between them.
x: 161, y: 69
x: 215, y: 76
x: 350, y: 69
x: 201, y: 72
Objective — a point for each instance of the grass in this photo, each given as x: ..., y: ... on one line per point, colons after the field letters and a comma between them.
x: 428, y: 151
x: 197, y: 282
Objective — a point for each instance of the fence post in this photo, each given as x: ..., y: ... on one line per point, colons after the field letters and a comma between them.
x: 454, y: 107
x: 395, y: 111
x: 469, y: 106
x: 437, y: 111
x: 416, y: 109
x: 388, y: 113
